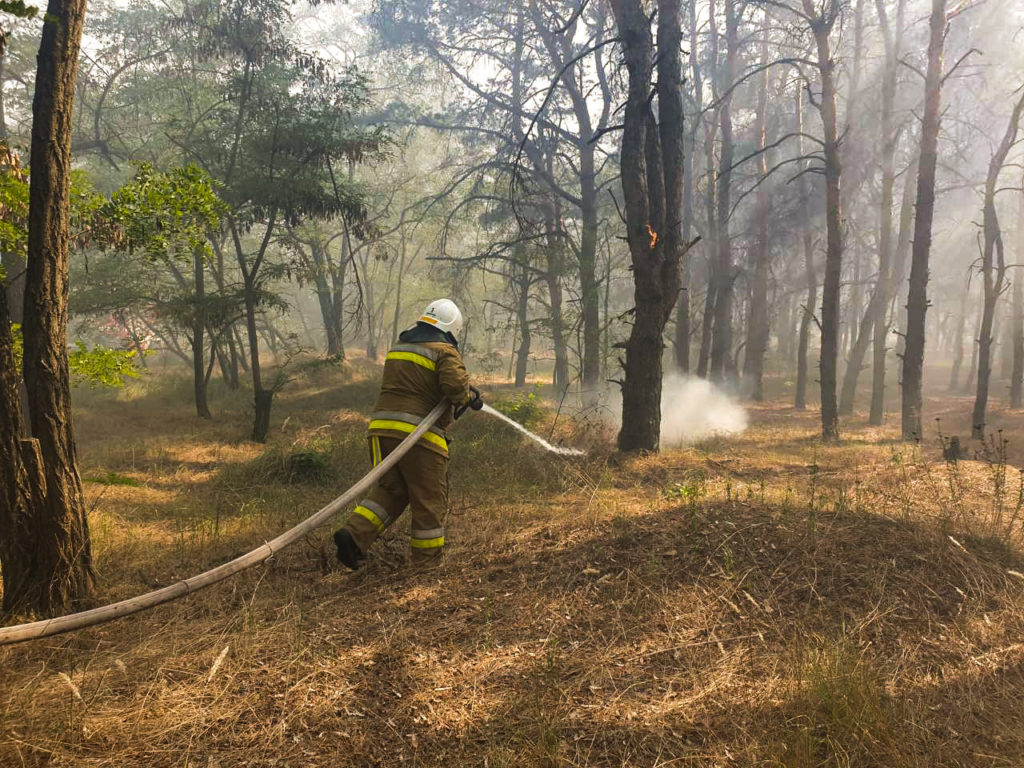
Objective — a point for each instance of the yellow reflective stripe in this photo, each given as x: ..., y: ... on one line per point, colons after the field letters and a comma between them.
x: 375, y: 450
x: 401, y: 426
x: 369, y: 515
x: 427, y: 543
x: 413, y: 357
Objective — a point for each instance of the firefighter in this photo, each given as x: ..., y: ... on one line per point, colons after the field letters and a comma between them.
x: 422, y: 368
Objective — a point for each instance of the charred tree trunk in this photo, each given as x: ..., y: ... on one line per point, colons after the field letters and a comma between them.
x: 993, y: 271
x: 62, y: 569
x: 652, y: 168
x: 917, y: 295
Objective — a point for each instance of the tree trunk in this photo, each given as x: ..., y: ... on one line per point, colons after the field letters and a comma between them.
x: 800, y: 397
x: 917, y: 295
x: 1017, y: 375
x: 821, y: 26
x: 22, y: 486
x: 523, y: 320
x: 721, y: 340
x: 325, y: 297
x: 993, y: 271
x: 885, y: 234
x: 652, y: 169
x: 198, y: 337
x: 62, y: 568
x: 589, y: 288
x: 555, y: 250
x: 958, y: 344
x: 758, y: 323
x: 855, y: 362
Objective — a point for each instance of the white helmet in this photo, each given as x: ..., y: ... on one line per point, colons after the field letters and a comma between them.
x: 443, y: 315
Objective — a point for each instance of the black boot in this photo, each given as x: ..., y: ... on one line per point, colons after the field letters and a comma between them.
x: 348, y: 552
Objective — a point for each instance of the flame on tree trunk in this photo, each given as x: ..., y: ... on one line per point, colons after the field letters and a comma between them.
x: 652, y: 175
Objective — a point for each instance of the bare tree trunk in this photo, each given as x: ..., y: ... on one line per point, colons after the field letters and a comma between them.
x: 555, y: 251
x: 523, y: 320
x: 821, y: 26
x: 62, y: 568
x: 958, y: 344
x: 1017, y: 375
x: 917, y: 296
x: 855, y: 362
x: 885, y: 235
x: 721, y: 340
x: 993, y: 271
x: 800, y: 397
x: 758, y: 323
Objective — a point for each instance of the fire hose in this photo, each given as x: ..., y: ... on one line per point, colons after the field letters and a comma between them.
x: 47, y: 627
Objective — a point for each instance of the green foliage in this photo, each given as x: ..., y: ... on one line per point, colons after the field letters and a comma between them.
x: 165, y: 213
x: 18, y: 9
x: 524, y: 407
x: 13, y: 205
x: 112, y: 478
x: 19, y: 346
x: 97, y: 367
x: 102, y: 367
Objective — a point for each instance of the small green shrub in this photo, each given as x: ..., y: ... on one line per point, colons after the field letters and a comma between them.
x: 112, y: 478
x: 524, y: 407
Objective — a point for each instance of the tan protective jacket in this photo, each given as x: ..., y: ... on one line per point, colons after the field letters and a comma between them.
x: 417, y: 375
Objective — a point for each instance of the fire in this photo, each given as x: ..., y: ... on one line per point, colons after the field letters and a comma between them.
x: 653, y: 234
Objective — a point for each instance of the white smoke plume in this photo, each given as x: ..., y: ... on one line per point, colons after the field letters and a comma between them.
x: 692, y: 409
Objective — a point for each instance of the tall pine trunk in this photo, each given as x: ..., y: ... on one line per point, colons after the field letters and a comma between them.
x: 758, y: 323
x: 721, y: 339
x: 821, y: 26
x: 652, y: 168
x: 811, y: 280
x: 917, y: 295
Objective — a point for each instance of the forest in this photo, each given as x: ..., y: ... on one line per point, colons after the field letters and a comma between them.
x: 744, y: 276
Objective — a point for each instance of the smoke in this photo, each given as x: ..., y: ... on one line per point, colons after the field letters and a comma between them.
x: 692, y: 409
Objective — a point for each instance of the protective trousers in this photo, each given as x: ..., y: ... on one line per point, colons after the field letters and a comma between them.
x: 419, y: 481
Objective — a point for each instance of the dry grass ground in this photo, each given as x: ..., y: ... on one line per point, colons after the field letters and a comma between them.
x: 753, y: 600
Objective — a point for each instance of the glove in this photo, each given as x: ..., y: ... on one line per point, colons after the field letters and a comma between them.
x: 475, y: 402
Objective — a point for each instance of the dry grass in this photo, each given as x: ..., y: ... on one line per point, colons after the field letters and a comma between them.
x: 757, y: 600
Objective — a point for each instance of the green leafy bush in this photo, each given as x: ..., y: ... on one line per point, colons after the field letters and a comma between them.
x: 524, y: 407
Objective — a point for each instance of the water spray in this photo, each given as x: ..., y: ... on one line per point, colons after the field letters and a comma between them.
x: 536, y: 438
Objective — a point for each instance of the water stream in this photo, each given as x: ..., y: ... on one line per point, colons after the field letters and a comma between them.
x: 536, y: 438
